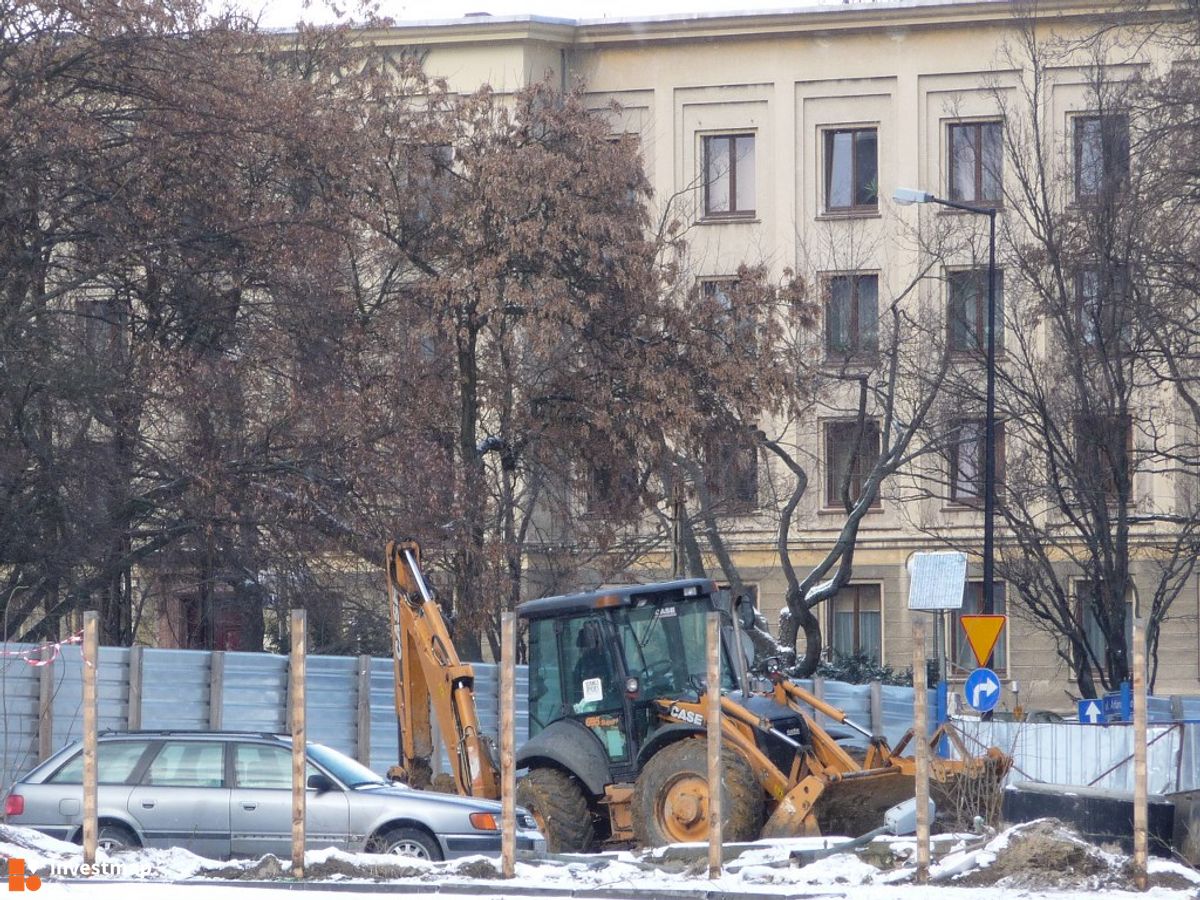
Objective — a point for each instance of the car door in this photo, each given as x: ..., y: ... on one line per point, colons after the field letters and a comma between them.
x: 260, y: 804
x: 182, y: 800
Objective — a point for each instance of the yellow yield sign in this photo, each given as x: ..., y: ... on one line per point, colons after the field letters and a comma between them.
x: 982, y: 634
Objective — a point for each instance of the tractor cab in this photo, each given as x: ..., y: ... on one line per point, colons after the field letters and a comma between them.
x: 607, y: 659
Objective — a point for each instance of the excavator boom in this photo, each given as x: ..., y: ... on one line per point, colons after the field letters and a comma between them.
x: 430, y: 677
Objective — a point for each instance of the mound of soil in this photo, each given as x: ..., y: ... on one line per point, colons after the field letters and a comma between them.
x: 271, y: 869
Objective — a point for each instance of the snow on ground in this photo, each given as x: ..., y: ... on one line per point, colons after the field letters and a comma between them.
x: 1036, y: 860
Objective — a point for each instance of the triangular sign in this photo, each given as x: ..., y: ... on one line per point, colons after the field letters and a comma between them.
x: 982, y: 634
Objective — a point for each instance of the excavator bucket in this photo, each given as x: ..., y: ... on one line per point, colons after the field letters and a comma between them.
x: 844, y: 805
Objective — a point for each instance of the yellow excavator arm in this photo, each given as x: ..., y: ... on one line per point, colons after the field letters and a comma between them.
x: 430, y: 676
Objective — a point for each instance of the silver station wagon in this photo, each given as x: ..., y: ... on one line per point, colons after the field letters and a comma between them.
x: 222, y: 794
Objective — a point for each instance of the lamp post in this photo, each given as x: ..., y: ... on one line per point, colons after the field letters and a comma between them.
x: 905, y: 197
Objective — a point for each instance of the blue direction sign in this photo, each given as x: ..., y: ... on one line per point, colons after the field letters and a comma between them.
x: 1092, y: 712
x: 1118, y: 706
x: 982, y: 690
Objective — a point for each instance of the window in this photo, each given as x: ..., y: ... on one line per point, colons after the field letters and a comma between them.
x: 1103, y: 453
x: 115, y: 763
x: 852, y: 315
x: 966, y: 315
x: 851, y: 170
x: 1101, y: 299
x: 1088, y: 597
x: 1101, y: 155
x: 731, y: 473
x: 612, y: 486
x: 851, y: 450
x: 735, y: 323
x: 729, y: 175
x: 258, y: 766
x: 188, y: 764
x: 962, y: 659
x: 968, y: 451
x: 855, y: 621
x: 976, y: 151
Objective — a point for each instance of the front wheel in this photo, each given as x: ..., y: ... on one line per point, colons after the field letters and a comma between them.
x: 559, y: 806
x: 412, y: 843
x: 670, y: 796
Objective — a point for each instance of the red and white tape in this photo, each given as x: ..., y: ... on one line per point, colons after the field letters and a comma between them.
x: 32, y: 654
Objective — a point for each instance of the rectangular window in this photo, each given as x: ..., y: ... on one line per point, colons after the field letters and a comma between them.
x: 850, y: 450
x: 852, y: 315
x: 855, y: 621
x: 612, y: 487
x: 188, y: 764
x: 851, y: 170
x: 258, y: 766
x: 1087, y: 598
x: 962, y: 659
x: 731, y: 473
x: 729, y: 175
x: 116, y: 761
x: 976, y: 151
x: 967, y: 308
x: 735, y: 322
x: 1103, y: 456
x: 968, y: 450
x: 1101, y: 155
x: 1102, y: 308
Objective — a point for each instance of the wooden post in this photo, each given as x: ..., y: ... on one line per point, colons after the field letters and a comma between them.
x: 91, y: 659
x: 363, y: 745
x: 45, y: 710
x: 508, y: 740
x: 137, y: 667
x: 921, y: 746
x: 713, y: 714
x: 216, y: 689
x: 296, y: 718
x: 1140, y: 808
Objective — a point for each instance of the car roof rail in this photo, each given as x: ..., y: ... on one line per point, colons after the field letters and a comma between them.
x: 214, y: 732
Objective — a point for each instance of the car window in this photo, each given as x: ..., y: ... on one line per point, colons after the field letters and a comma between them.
x: 188, y: 764
x: 115, y: 762
x: 258, y: 766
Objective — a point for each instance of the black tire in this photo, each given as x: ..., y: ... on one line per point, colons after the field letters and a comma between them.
x: 670, y: 796
x: 112, y: 837
x: 558, y: 803
x: 406, y: 841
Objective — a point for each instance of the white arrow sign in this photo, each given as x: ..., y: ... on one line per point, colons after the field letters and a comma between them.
x: 987, y: 688
x: 1093, y: 713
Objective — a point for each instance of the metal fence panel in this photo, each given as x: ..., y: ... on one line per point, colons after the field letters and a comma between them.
x: 175, y: 689
x: 19, y: 691
x: 254, y: 695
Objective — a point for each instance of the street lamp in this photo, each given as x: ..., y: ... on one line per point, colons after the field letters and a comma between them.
x: 906, y: 197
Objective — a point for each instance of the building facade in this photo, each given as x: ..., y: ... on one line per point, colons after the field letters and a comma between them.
x: 780, y: 138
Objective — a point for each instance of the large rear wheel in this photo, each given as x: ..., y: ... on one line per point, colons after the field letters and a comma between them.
x: 558, y: 803
x: 670, y: 796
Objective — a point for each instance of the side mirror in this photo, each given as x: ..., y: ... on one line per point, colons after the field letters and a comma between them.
x: 743, y: 611
x: 320, y: 782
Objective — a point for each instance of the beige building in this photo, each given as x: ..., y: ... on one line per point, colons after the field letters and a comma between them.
x: 782, y: 137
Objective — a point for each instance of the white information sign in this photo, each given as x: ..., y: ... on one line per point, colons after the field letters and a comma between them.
x: 593, y: 690
x: 936, y: 580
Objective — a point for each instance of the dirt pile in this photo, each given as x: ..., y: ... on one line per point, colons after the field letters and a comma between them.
x: 1048, y: 854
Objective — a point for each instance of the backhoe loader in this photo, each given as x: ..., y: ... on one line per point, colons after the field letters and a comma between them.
x: 616, y: 751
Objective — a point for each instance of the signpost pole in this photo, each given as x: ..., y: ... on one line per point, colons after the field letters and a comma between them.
x: 921, y: 747
x: 1140, y: 808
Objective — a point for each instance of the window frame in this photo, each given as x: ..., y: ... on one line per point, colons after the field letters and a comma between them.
x: 857, y: 351
x: 980, y: 275
x: 1108, y: 181
x: 1111, y: 334
x: 857, y: 612
x: 1110, y: 488
x: 1079, y: 613
x: 731, y: 138
x: 832, y: 494
x: 954, y: 454
x: 828, y: 137
x: 978, y: 126
x: 718, y: 485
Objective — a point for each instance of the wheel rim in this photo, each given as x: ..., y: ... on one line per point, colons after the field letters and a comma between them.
x: 111, y: 843
x: 682, y: 809
x: 408, y: 847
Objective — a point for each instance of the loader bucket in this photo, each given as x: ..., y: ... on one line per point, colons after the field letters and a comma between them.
x: 850, y: 804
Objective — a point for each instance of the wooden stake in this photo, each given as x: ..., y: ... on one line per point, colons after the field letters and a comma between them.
x: 45, y: 709
x: 713, y: 713
x: 363, y: 744
x: 91, y: 658
x: 296, y: 718
x: 921, y: 747
x: 508, y: 740
x: 1140, y: 808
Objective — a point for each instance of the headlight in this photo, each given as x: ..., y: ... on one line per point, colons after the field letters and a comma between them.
x: 527, y: 822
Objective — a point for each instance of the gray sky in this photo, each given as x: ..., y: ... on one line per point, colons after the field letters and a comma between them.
x: 284, y: 13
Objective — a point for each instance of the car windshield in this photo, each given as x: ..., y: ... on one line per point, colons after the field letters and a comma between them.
x: 343, y: 768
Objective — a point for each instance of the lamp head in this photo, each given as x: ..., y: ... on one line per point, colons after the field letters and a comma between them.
x: 907, y: 196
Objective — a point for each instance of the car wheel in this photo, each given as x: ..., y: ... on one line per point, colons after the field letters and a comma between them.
x: 116, y: 837
x: 409, y: 842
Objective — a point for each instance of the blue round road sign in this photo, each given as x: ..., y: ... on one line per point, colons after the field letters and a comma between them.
x: 982, y: 690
